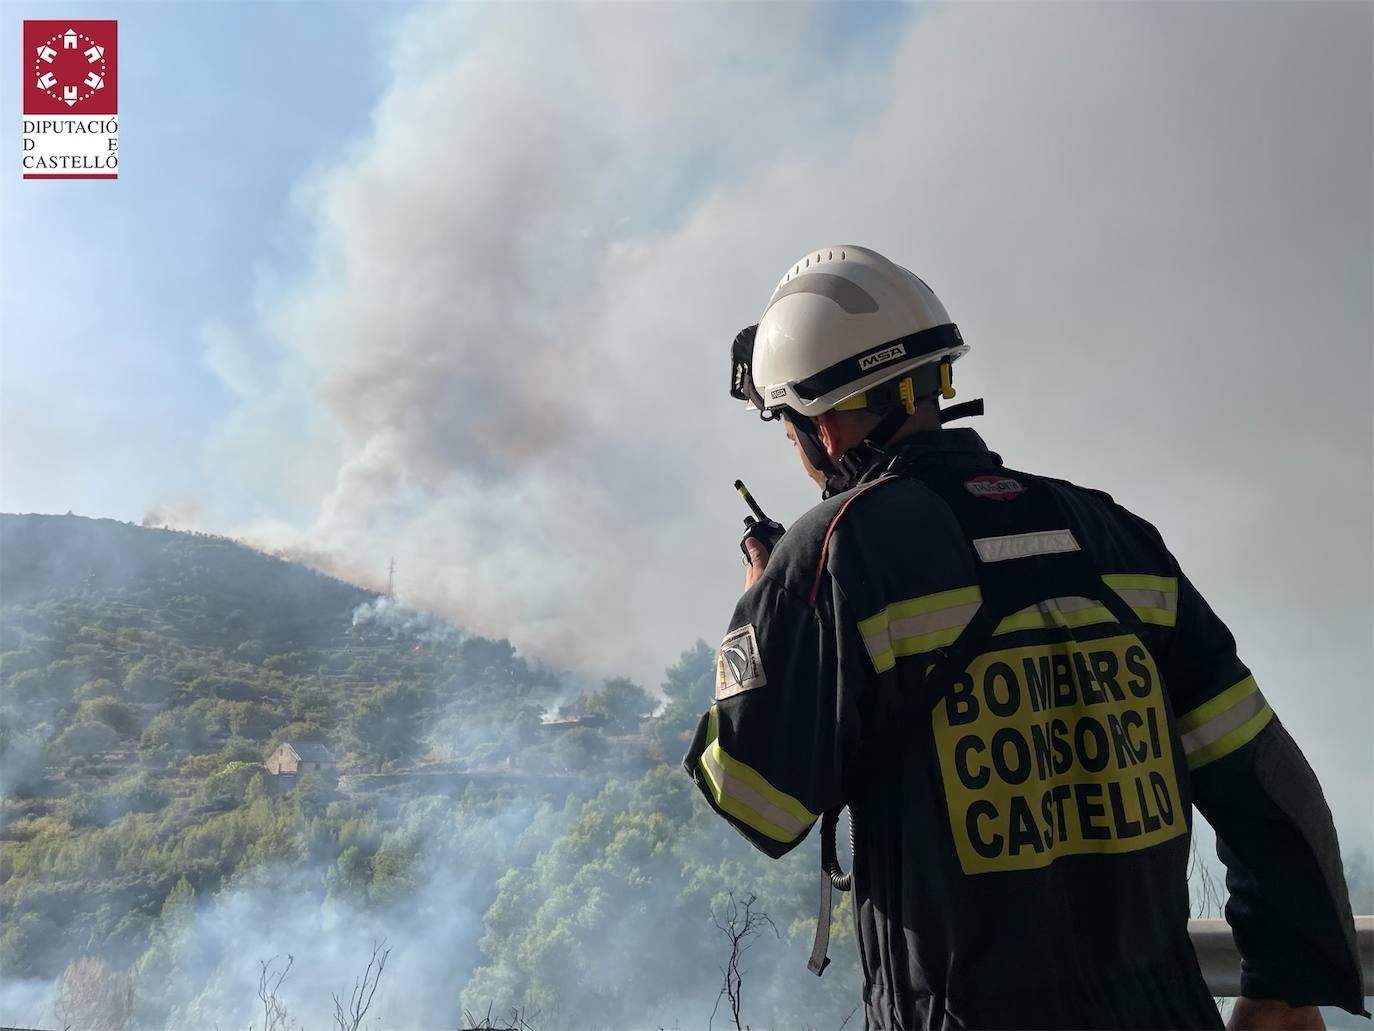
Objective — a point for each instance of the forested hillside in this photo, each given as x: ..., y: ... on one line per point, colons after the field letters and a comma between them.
x: 521, y: 841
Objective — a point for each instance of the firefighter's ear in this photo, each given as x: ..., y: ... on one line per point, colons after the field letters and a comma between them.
x: 840, y: 431
x: 830, y: 430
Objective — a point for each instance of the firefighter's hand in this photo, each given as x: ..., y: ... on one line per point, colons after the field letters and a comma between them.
x: 1272, y: 1015
x: 758, y: 558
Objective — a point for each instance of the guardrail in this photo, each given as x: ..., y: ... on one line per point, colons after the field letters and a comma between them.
x: 1216, y: 953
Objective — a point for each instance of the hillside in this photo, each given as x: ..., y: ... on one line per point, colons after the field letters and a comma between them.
x: 145, y: 674
x: 117, y: 639
x: 486, y: 806
x: 210, y: 587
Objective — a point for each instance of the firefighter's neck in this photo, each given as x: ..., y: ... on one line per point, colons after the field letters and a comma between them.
x: 840, y: 431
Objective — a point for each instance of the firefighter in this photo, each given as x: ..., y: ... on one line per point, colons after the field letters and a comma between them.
x: 1019, y: 696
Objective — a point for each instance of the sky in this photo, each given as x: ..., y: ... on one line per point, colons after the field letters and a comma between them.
x: 455, y: 285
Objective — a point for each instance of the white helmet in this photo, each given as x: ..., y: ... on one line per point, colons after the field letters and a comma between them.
x: 847, y: 329
x: 843, y: 320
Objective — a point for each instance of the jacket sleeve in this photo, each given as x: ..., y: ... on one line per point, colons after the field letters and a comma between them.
x: 1289, y: 908
x: 771, y: 753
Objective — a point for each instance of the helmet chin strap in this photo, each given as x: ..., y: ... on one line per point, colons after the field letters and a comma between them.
x: 849, y: 469
x: 843, y: 473
x: 809, y: 440
x: 868, y: 452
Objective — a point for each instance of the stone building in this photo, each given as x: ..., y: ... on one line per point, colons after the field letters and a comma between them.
x: 295, y: 757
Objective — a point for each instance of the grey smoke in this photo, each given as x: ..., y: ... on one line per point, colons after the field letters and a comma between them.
x: 1152, y: 222
x: 389, y: 616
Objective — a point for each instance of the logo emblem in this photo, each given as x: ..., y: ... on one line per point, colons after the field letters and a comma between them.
x: 739, y: 667
x: 995, y: 488
x: 882, y: 357
x: 71, y: 99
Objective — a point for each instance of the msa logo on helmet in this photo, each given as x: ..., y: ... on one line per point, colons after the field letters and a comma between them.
x: 776, y: 393
x: 994, y: 488
x: 881, y: 357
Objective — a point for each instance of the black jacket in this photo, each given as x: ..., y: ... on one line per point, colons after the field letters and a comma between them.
x: 1021, y: 697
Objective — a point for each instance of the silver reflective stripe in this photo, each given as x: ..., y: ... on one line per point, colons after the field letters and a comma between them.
x: 1069, y: 612
x: 918, y: 626
x: 1154, y: 599
x: 1145, y: 599
x: 1219, y: 726
x: 732, y: 789
x: 1057, y: 605
x: 878, y: 643
x: 848, y: 294
x: 1023, y: 545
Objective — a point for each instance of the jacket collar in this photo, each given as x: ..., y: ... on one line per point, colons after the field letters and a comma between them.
x: 960, y: 441
x: 962, y: 446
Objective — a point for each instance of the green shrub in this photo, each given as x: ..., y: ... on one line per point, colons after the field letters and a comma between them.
x: 146, y: 682
x: 78, y: 810
x: 85, y: 738
x: 623, y: 703
x: 239, y: 749
x: 577, y: 749
x: 109, y: 711
x: 176, y: 731
x: 227, y: 788
x: 200, y: 765
x: 137, y: 793
x: 297, y: 730
x: 100, y: 687
x: 27, y: 688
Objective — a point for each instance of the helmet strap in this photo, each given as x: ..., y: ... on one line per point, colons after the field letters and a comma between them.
x: 962, y: 410
x: 843, y: 473
x: 863, y: 456
x: 809, y: 440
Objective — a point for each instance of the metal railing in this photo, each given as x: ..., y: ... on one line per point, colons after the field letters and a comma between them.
x: 1216, y: 953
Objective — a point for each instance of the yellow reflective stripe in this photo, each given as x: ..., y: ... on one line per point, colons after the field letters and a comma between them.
x: 1154, y: 599
x: 883, y: 660
x: 1220, y: 725
x: 920, y: 606
x: 918, y: 625
x: 1228, y: 743
x: 915, y: 644
x: 1056, y: 612
x: 745, y: 794
x: 1141, y: 582
x: 1214, y: 707
x: 1159, y: 617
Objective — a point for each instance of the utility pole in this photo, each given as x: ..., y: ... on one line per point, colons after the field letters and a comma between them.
x: 391, y: 581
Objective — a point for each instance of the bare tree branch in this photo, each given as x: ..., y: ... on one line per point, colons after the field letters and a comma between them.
x: 740, y: 925
x: 1206, y: 895
x: 274, y: 1015
x: 351, y: 1018
x: 517, y: 1021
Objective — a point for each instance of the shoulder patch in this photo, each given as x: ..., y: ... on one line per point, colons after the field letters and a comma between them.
x: 739, y: 667
x: 995, y: 488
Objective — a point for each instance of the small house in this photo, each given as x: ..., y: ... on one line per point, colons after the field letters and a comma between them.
x: 294, y: 757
